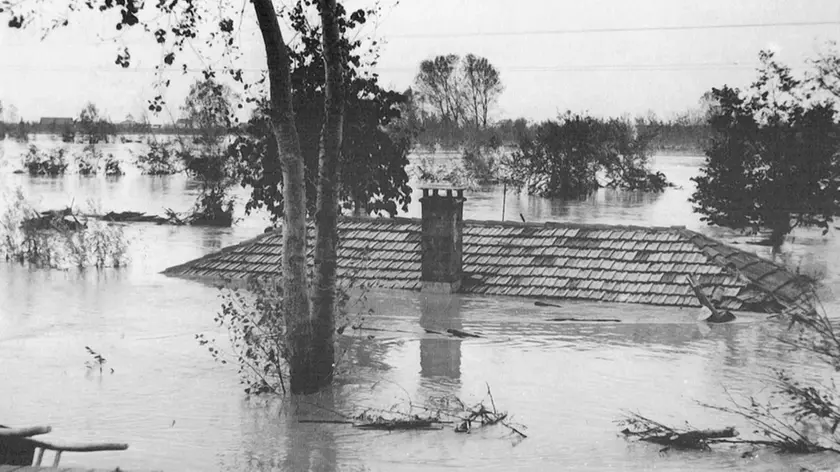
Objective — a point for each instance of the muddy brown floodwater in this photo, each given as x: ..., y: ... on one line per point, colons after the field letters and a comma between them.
x: 567, y: 382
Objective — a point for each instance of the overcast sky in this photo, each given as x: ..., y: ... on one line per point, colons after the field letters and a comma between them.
x: 608, y: 57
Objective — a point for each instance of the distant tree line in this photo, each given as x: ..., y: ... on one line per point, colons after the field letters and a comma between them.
x: 92, y: 127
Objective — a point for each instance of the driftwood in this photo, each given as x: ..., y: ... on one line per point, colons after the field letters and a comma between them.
x: 717, y: 316
x: 58, y: 220
x: 449, y: 407
x: 461, y: 334
x: 594, y: 320
x: 400, y: 424
x: 171, y: 218
x: 485, y: 417
x: 454, y: 332
x: 24, y: 432
x: 648, y: 430
x: 132, y: 217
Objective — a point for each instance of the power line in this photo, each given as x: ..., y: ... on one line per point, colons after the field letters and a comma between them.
x: 639, y: 29
x: 685, y: 66
x: 570, y: 31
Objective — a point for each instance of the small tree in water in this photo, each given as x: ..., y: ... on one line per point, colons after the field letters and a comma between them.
x: 256, y: 327
x: 772, y: 162
x: 209, y: 107
x: 564, y: 158
x: 92, y: 126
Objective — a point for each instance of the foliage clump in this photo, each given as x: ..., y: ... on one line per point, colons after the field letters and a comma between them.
x: 209, y: 107
x: 455, y: 174
x: 92, y: 126
x: 42, y: 163
x: 256, y: 326
x: 87, y: 162
x: 772, y: 162
x: 575, y: 155
x: 160, y: 159
x: 452, y: 100
x: 113, y: 166
x: 375, y: 141
x: 58, y: 239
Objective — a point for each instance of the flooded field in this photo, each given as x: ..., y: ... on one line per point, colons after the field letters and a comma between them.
x: 567, y: 383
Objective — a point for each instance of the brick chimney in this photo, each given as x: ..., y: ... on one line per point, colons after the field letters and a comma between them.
x: 442, y: 237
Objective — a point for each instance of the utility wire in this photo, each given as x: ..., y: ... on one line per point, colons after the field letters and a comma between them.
x: 572, y: 31
x: 558, y: 68
x: 638, y: 29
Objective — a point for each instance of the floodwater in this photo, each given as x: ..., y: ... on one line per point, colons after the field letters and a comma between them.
x: 568, y: 383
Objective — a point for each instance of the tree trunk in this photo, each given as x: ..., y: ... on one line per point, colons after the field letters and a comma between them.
x: 299, y: 332
x: 779, y: 224
x: 326, y: 213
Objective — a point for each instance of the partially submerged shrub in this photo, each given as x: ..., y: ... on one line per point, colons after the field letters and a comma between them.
x: 256, y: 328
x: 568, y: 157
x: 160, y: 159
x: 51, y: 163
x: 216, y: 171
x: 87, y: 163
x: 213, y: 208
x: 456, y: 174
x: 57, y: 239
x: 112, y: 166
x: 481, y: 164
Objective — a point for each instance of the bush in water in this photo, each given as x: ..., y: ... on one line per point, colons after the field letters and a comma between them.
x: 58, y: 239
x: 213, y: 207
x: 160, y: 159
x: 575, y: 155
x: 87, y: 163
x: 216, y: 170
x: 257, y: 330
x: 456, y: 174
x: 112, y: 166
x: 53, y: 163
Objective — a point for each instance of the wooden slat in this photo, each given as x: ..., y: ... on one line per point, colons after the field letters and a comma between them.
x: 79, y: 447
x: 24, y: 432
x: 28, y: 468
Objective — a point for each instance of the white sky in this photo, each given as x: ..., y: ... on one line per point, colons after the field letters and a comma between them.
x: 603, y: 72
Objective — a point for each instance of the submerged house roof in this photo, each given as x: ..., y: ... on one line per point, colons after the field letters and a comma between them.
x: 547, y: 260
x: 56, y: 121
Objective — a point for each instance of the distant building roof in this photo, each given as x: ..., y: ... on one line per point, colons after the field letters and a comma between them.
x: 58, y: 121
x: 550, y: 260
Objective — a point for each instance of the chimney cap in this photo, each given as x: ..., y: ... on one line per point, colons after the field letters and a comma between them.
x: 440, y: 186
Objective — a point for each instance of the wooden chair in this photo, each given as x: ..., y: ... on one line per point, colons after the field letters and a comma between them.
x: 17, y: 447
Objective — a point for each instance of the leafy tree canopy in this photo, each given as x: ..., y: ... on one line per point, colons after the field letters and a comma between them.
x: 375, y: 142
x: 566, y: 157
x: 209, y: 107
x: 773, y: 160
x: 93, y: 126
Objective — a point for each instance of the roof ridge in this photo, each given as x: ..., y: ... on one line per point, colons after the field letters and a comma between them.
x: 689, y: 234
x: 367, y: 219
x: 762, y: 273
x: 563, y: 224
x: 233, y: 247
x: 509, y: 223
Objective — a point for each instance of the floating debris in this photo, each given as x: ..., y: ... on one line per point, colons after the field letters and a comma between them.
x: 646, y: 429
x: 592, y: 320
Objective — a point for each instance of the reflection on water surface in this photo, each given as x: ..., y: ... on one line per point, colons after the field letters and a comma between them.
x: 567, y: 382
